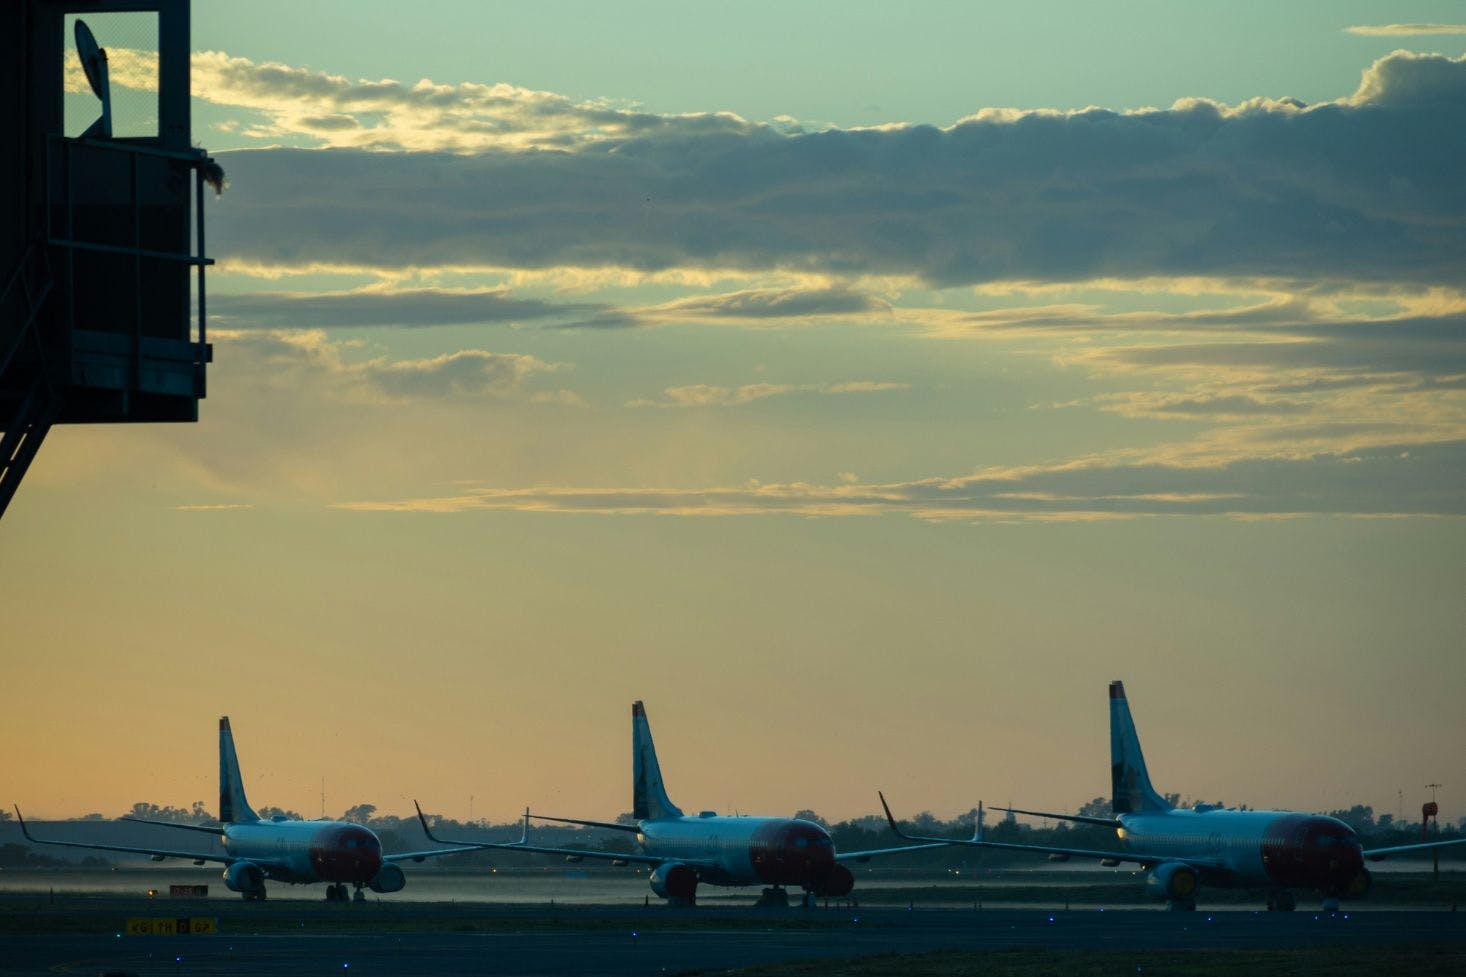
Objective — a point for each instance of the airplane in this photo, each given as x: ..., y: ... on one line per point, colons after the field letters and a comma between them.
x: 1182, y: 848
x: 685, y: 850
x: 281, y: 849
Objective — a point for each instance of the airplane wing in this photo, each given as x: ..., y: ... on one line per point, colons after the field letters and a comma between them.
x: 976, y: 841
x: 1377, y: 854
x: 608, y: 825
x: 865, y: 856
x: 605, y: 856
x: 459, y: 846
x: 419, y: 856
x: 1081, y: 818
x: 523, y: 845
x: 213, y: 856
x: 206, y: 829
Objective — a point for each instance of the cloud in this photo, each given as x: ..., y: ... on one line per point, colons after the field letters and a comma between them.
x: 1429, y: 349
x: 1405, y: 30
x: 1364, y: 188
x: 1192, y: 407
x: 386, y: 114
x: 395, y: 307
x: 214, y: 507
x: 783, y: 303
x: 307, y: 360
x: 705, y: 395
x: 1383, y: 481
x: 862, y: 387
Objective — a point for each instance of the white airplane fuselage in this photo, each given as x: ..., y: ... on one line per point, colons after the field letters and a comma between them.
x: 307, y: 851
x: 744, y: 851
x: 1256, y: 848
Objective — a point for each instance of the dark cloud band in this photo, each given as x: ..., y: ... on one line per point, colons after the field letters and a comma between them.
x: 1365, y: 189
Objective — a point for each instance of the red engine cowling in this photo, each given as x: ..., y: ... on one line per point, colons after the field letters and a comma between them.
x: 838, y: 883
x: 673, y: 880
x: 1173, y: 881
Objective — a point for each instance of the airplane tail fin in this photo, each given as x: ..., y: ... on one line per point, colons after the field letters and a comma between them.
x: 1131, y: 792
x: 649, y: 799
x: 233, y: 806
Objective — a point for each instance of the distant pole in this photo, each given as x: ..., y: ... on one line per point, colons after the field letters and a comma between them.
x: 1432, y: 810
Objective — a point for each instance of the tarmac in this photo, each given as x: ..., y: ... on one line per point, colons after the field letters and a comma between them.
x: 394, y: 938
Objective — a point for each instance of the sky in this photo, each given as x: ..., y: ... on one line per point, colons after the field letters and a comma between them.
x: 864, y: 390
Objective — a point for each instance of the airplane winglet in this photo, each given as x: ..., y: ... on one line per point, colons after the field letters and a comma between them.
x: 524, y: 834
x: 23, y: 829
x: 891, y: 818
x: 423, y: 819
x: 977, y: 829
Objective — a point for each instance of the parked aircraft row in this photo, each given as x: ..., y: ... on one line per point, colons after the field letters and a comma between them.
x: 1181, y: 848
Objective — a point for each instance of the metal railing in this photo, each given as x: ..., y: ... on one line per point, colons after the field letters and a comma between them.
x: 65, y: 238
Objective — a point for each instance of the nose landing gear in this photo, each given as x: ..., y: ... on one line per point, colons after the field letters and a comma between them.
x: 774, y: 897
x: 336, y: 892
x: 1280, y: 901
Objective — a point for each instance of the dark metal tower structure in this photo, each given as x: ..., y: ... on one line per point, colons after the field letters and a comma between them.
x: 101, y: 222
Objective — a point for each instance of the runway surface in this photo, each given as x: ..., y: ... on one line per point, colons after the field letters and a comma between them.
x: 452, y: 939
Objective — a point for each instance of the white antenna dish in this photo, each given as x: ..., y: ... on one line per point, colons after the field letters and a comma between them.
x: 94, y: 63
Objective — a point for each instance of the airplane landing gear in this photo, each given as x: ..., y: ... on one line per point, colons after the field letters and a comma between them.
x: 1330, y: 904
x: 808, y: 902
x: 254, y: 895
x: 336, y: 892
x: 773, y: 897
x: 1280, y: 901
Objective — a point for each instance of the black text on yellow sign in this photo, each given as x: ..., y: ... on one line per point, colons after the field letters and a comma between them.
x: 171, y: 926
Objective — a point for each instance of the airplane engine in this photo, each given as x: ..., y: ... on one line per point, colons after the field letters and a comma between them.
x: 389, y: 878
x: 838, y: 883
x: 673, y: 880
x: 246, y: 877
x: 1173, y: 882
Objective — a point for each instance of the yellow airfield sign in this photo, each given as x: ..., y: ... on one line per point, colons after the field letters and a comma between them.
x: 171, y: 925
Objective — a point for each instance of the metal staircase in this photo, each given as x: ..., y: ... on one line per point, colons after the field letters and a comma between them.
x: 32, y: 408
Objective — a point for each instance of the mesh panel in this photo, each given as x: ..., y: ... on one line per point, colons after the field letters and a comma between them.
x: 131, y: 43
